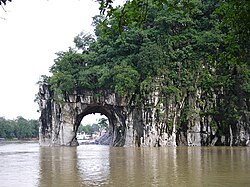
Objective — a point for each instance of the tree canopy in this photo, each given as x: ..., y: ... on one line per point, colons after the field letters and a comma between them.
x: 182, y: 46
x: 19, y: 128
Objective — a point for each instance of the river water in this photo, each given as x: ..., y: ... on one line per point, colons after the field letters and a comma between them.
x: 27, y: 164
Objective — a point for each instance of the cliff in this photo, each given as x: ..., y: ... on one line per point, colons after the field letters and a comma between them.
x: 158, y: 121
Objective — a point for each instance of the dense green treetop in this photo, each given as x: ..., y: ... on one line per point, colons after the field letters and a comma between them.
x: 172, y: 42
x: 182, y: 46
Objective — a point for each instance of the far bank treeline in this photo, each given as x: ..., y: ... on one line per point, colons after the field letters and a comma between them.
x: 19, y: 128
x: 193, y: 50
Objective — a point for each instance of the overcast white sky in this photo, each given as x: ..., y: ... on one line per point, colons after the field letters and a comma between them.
x: 34, y: 30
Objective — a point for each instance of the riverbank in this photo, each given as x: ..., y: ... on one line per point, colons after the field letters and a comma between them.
x: 9, y: 141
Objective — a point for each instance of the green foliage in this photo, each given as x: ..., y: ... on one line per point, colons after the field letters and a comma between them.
x: 65, y: 71
x: 173, y: 42
x: 85, y: 128
x: 94, y: 78
x: 7, y: 128
x: 233, y: 67
x: 19, y: 128
x: 125, y: 79
x: 103, y: 123
x: 177, y: 46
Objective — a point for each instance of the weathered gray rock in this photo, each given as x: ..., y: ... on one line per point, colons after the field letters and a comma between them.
x: 105, y: 139
x: 157, y: 121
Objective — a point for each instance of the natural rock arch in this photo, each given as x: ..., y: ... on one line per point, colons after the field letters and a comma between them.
x: 156, y: 121
x: 60, y: 120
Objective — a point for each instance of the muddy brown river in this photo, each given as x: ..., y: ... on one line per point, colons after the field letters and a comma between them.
x: 28, y: 165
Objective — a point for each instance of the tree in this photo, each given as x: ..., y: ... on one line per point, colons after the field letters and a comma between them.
x: 19, y: 128
x: 95, y: 127
x: 85, y: 128
x: 233, y: 71
x: 6, y: 128
x: 103, y: 124
x: 88, y: 129
x: 4, y: 1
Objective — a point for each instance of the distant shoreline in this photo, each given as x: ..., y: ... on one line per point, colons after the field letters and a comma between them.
x: 5, y: 141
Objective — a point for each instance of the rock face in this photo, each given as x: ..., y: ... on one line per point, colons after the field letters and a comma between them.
x: 156, y: 121
x: 60, y: 120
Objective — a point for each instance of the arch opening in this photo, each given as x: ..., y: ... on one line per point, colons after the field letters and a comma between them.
x: 94, y: 129
x: 115, y: 134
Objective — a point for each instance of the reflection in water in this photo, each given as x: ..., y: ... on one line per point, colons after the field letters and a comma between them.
x: 182, y: 166
x: 94, y: 165
x: 74, y: 166
x: 144, y: 166
x: 58, y: 167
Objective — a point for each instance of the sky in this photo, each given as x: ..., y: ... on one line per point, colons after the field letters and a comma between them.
x: 31, y: 32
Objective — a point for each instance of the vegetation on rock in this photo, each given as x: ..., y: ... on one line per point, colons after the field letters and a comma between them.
x: 194, y: 53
